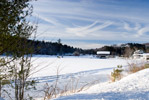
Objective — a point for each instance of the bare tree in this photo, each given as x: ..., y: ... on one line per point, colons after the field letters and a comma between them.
x: 128, y: 52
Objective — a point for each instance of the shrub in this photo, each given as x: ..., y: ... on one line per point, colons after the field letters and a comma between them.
x: 116, y: 74
x: 76, y: 53
x: 146, y: 65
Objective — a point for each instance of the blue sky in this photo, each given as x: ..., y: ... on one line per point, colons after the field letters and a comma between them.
x: 92, y: 23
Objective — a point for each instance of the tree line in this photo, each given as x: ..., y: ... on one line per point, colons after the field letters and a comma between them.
x: 52, y: 48
x: 57, y: 48
x: 124, y: 50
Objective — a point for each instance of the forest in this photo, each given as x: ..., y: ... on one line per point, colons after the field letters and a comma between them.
x: 57, y: 48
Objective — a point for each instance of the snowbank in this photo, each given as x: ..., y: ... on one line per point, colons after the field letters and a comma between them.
x: 132, y: 87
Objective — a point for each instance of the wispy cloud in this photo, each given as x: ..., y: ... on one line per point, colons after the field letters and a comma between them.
x: 135, y: 28
x: 93, y: 19
x: 138, y: 30
x: 83, y: 31
x: 143, y: 31
x: 49, y: 20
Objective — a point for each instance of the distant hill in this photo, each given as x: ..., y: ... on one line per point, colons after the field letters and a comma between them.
x: 55, y: 48
x: 52, y: 48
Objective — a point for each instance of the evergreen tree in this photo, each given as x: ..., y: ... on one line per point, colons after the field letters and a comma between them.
x: 14, y: 33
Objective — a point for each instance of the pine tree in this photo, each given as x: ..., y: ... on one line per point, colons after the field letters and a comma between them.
x: 14, y: 33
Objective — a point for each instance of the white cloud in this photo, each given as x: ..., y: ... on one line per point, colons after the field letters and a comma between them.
x: 128, y: 28
x: 104, y: 25
x: 142, y: 31
x: 104, y: 20
x: 52, y: 21
x: 83, y: 31
x: 90, y: 9
x: 138, y: 26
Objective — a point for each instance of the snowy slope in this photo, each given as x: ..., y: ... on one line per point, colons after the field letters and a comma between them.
x: 85, y: 69
x: 132, y: 87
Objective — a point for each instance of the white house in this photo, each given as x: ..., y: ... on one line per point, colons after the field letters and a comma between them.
x: 103, y: 54
x: 140, y: 55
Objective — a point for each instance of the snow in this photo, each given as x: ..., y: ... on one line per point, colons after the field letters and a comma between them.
x: 87, y: 69
x: 132, y: 87
x: 47, y: 65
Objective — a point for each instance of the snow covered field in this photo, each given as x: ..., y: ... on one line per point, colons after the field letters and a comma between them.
x: 83, y: 70
x: 48, y: 65
x: 86, y: 69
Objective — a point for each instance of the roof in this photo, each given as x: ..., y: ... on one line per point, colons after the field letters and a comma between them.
x: 103, y: 52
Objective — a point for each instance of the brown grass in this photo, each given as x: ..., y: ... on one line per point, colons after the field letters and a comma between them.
x: 72, y: 86
x: 133, y: 68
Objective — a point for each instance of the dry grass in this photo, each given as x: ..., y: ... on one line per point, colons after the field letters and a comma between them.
x: 133, y: 68
x: 69, y: 87
x: 72, y: 86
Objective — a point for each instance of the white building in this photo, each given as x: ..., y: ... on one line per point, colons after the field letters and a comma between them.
x: 140, y: 55
x: 103, y: 54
